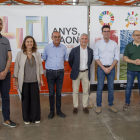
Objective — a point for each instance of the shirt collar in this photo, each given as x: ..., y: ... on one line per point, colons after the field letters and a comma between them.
x: 0, y: 35
x: 105, y: 42
x: 82, y: 48
x: 134, y: 43
x: 55, y: 46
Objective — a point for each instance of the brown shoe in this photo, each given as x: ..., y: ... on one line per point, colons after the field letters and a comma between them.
x: 113, y: 109
x: 85, y: 110
x: 98, y: 109
x: 75, y: 110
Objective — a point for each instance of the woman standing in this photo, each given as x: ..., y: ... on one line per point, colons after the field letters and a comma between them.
x: 28, y: 72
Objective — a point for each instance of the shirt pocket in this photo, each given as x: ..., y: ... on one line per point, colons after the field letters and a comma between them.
x: 3, y: 45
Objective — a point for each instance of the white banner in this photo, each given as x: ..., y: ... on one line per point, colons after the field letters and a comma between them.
x: 123, y: 20
x: 40, y: 22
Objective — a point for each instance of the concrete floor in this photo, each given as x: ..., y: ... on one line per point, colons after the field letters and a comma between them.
x: 124, y: 125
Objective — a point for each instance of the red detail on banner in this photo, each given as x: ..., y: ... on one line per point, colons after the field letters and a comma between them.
x: 107, y: 12
x: 97, y: 39
x: 132, y: 12
x: 112, y: 17
x: 113, y: 35
x: 67, y: 82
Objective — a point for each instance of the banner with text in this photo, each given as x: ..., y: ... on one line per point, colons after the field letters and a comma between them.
x: 40, y: 22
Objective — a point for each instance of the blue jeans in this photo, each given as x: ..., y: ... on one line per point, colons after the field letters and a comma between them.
x: 130, y: 79
x: 4, y: 89
x: 110, y: 83
x: 55, y: 77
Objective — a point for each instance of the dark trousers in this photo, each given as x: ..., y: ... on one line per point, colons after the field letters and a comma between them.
x: 4, y: 89
x: 30, y: 102
x: 55, y: 77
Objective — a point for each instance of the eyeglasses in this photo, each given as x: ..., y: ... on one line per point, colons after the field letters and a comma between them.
x: 137, y: 35
x: 106, y: 31
x: 56, y: 37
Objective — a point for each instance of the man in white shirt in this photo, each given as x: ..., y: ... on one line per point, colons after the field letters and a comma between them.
x: 106, y: 55
x: 80, y: 59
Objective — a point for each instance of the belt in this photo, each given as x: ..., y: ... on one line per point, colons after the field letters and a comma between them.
x: 55, y: 70
x: 106, y: 66
x: 83, y: 70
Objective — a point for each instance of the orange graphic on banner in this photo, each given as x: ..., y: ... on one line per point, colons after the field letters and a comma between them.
x: 127, y: 25
x: 9, y: 35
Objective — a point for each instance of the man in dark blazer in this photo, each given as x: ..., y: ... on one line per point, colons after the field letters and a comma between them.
x: 80, y: 59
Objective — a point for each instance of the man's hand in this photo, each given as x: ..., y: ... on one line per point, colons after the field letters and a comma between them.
x: 3, y: 75
x: 137, y: 62
x: 107, y: 70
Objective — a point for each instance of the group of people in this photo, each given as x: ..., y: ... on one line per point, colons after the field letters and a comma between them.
x: 28, y: 72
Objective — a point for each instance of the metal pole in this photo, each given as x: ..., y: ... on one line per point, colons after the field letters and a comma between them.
x: 88, y: 8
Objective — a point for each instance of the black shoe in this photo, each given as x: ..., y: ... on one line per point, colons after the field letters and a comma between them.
x: 61, y: 114
x: 10, y: 123
x: 51, y: 115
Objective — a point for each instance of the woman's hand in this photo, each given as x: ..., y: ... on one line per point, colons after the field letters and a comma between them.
x: 41, y: 83
x: 16, y: 83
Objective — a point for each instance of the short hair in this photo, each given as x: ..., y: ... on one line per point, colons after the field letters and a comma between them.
x: 105, y: 26
x: 134, y: 32
x: 23, y: 47
x: 55, y: 32
x: 1, y: 20
x: 84, y: 34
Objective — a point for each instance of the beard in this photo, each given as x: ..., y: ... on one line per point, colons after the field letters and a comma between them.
x: 0, y: 29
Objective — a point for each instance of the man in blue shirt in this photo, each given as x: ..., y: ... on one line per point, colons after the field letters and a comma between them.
x: 54, y: 56
x: 106, y: 55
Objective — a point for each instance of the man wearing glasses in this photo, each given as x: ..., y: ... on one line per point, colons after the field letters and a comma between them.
x: 132, y: 57
x: 106, y: 55
x: 54, y: 56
